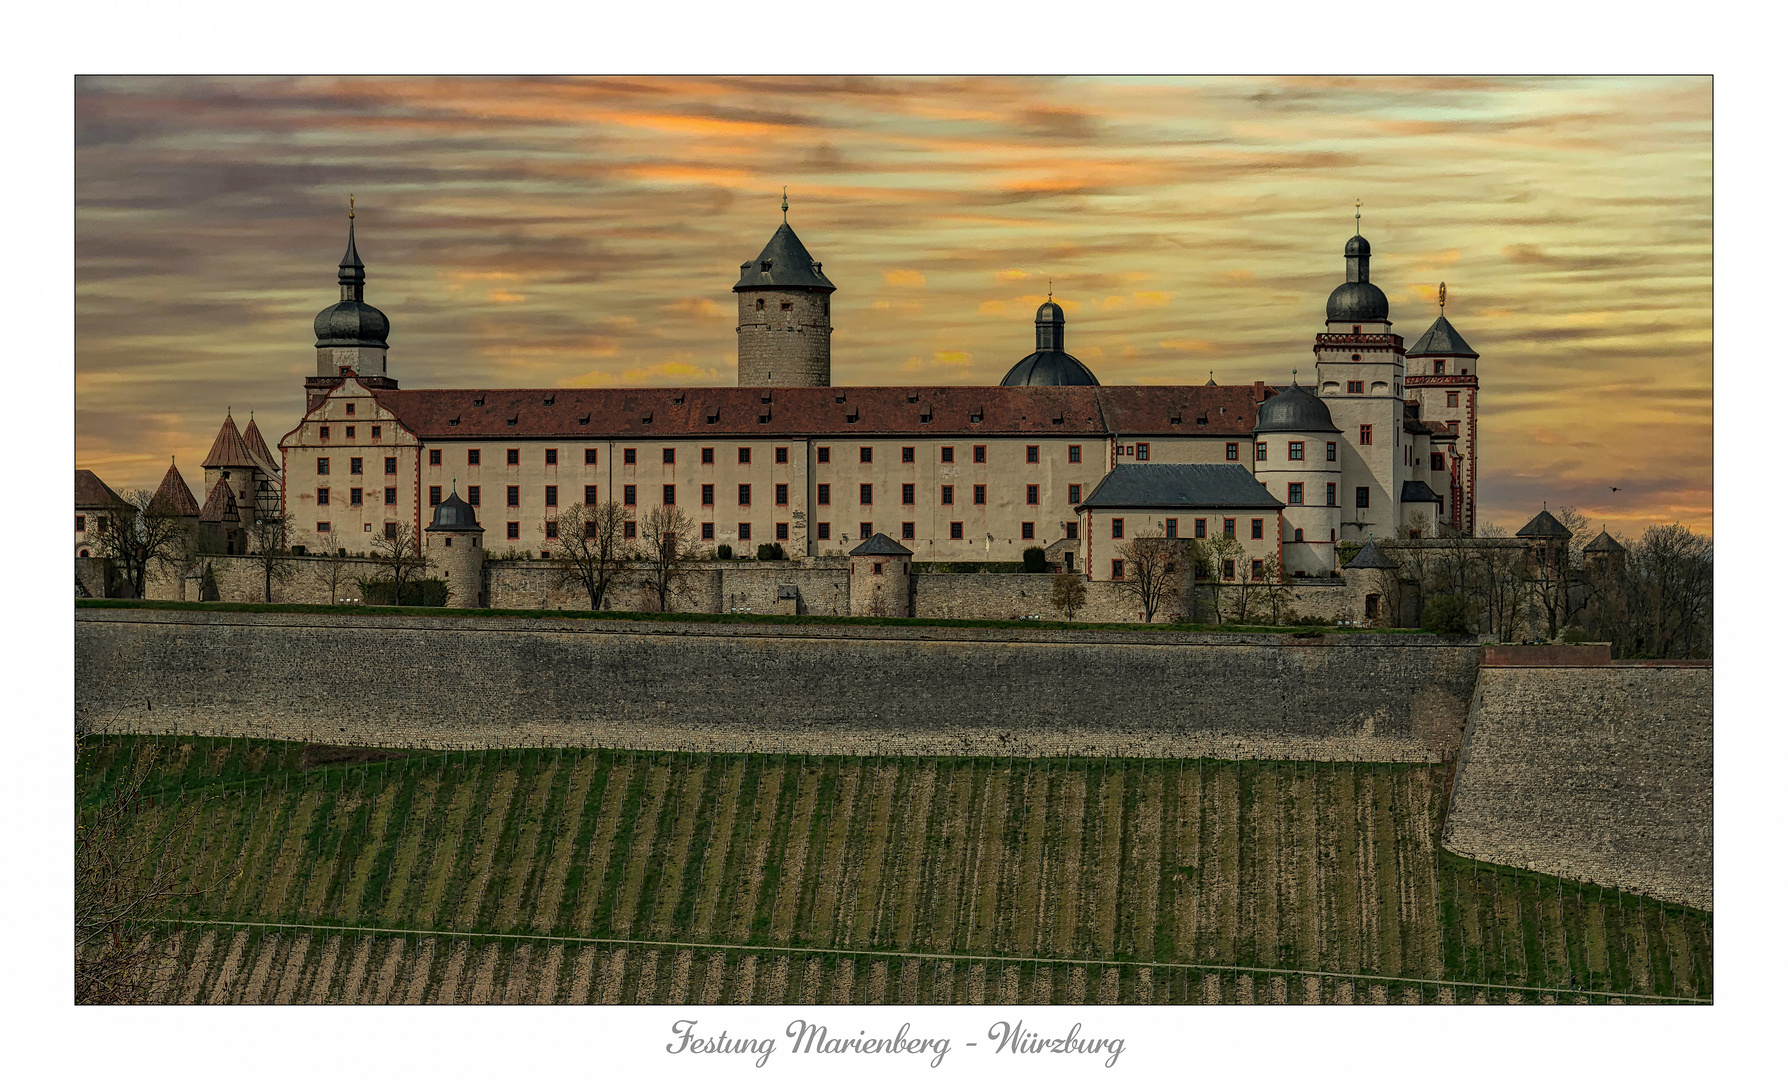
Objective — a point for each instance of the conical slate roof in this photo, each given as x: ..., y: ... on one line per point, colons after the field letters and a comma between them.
x: 1602, y: 543
x: 783, y: 264
x: 228, y: 450
x: 1544, y: 527
x: 220, y: 505
x: 1370, y: 558
x: 879, y: 544
x: 454, y: 514
x: 1441, y: 340
x: 174, y: 497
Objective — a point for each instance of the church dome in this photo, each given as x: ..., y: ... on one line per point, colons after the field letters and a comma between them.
x: 1296, y: 409
x: 1359, y: 301
x: 1050, y: 365
x: 352, y: 323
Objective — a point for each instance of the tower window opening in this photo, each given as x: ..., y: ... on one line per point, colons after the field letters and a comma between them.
x: 760, y: 305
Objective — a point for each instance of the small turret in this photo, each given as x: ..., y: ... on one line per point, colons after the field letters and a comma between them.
x: 455, y: 543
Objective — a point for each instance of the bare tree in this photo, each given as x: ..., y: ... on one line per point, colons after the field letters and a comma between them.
x: 398, y: 551
x: 1498, y: 576
x: 267, y: 539
x: 1276, y: 593
x: 1068, y: 594
x: 666, y: 542
x: 1226, y: 552
x: 136, y: 534
x: 590, y: 549
x: 1670, y: 593
x: 1151, y: 571
x: 332, y: 572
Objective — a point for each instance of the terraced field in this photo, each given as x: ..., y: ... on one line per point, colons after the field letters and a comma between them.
x: 617, y: 876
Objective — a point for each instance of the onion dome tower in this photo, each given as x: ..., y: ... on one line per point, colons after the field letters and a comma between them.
x: 1050, y: 365
x: 455, y: 543
x: 351, y: 333
x: 785, y: 314
x: 1357, y: 299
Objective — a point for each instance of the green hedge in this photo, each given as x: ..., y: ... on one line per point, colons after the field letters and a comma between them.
x: 429, y: 592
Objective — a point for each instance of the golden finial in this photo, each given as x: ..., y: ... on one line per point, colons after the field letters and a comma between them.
x: 350, y: 208
x: 785, y: 205
x: 1052, y: 290
x: 1356, y: 217
x: 1443, y: 298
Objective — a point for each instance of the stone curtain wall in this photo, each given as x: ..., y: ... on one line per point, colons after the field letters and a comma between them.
x: 1600, y: 773
x: 455, y: 682
x: 240, y: 580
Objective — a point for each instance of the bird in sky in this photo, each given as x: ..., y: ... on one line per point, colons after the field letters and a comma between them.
x: 1613, y: 489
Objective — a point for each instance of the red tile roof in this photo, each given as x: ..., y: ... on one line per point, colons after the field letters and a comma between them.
x: 780, y: 411
x: 257, y: 446
x: 220, y: 505
x: 174, y: 497
x: 229, y: 451
x: 90, y: 490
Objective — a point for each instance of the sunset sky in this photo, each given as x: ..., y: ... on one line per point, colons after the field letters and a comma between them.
x: 586, y: 232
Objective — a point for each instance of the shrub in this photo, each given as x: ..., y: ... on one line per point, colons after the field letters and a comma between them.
x: 429, y: 592
x: 768, y: 552
x: 724, y: 551
x: 1449, y: 615
x: 1309, y: 620
x: 1035, y: 562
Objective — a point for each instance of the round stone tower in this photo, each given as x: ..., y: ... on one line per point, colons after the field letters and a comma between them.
x: 785, y: 315
x: 455, y: 543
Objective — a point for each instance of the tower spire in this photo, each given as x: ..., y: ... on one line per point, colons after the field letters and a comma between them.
x: 1356, y: 217
x: 785, y: 204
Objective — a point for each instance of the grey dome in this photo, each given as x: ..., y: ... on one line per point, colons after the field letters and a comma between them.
x: 1296, y: 409
x: 1051, y: 312
x: 1050, y: 365
x: 455, y: 515
x: 1358, y: 300
x: 1357, y: 246
x: 350, y: 323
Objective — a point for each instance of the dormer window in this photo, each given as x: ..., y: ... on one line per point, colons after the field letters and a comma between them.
x: 478, y: 402
x: 765, y: 267
x: 549, y: 399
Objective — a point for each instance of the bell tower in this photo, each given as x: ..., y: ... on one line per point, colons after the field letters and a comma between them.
x: 350, y: 333
x: 785, y: 315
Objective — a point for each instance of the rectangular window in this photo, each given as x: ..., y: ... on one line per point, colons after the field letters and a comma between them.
x: 552, y: 530
x: 909, y: 454
x: 1198, y: 528
x: 744, y: 530
x: 906, y: 530
x: 1142, y: 451
x: 1331, y: 495
x: 980, y: 494
x: 781, y: 494
x: 1073, y: 455
x: 1452, y: 399
x: 552, y: 456
x: 589, y: 494
x: 1362, y: 497
x: 1257, y: 569
x: 1437, y: 462
x: 980, y: 455
x: 629, y: 456
x: 1033, y: 455
x: 1440, y: 367
x: 1294, y: 494
x: 1117, y: 528
x: 1260, y: 451
x: 866, y: 493
x: 707, y: 530
x: 589, y: 456
x: 514, y: 532
x: 390, y: 466
x: 514, y: 455
x: 1331, y: 451
x: 629, y: 495
x: 947, y: 454
x: 782, y: 455
x: 865, y: 530
x: 472, y: 457
x: 1173, y: 528
x: 823, y: 494
x: 322, y: 526
x: 955, y: 530
x: 1356, y: 386
x: 670, y: 494
x: 1257, y: 530
x: 350, y: 408
x: 744, y: 494
x: 823, y: 455
x: 744, y: 455
x: 782, y: 530
x: 1027, y: 530
x: 707, y: 494
x: 1071, y: 530
x: 825, y: 530
x: 908, y: 494
x: 1231, y: 451
x: 472, y: 495
x: 866, y: 454
x: 1453, y: 426
x: 948, y: 495
x: 1365, y: 434
x: 322, y: 496
x: 630, y: 531
x: 356, y: 466
x: 390, y: 496
x: 350, y: 431
x: 1117, y: 569
x: 1033, y: 494
x: 376, y: 431
x: 1228, y: 569
x: 552, y: 495
x: 707, y: 455
x: 1229, y: 527
x: 1294, y: 451
x: 322, y: 466
x: 1073, y: 494
x: 323, y: 431
x: 434, y: 495
x: 670, y: 455
x: 514, y: 495
x: 434, y: 457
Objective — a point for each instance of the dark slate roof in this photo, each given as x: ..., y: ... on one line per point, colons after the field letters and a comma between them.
x: 1049, y: 368
x: 1419, y: 491
x: 1440, y: 340
x: 174, y: 497
x: 1175, y: 486
x: 220, y: 505
x: 352, y: 323
x: 352, y: 269
x: 1545, y: 527
x: 91, y: 491
x: 1370, y: 558
x: 1604, y: 542
x: 229, y: 450
x: 783, y: 264
x: 879, y: 544
x: 1360, y: 300
x: 454, y: 514
x: 1296, y: 409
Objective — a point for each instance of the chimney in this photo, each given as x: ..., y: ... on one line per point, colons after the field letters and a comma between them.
x: 1260, y: 391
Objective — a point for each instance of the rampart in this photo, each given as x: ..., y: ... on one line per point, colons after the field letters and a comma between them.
x: 1048, y: 691
x: 1602, y: 772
